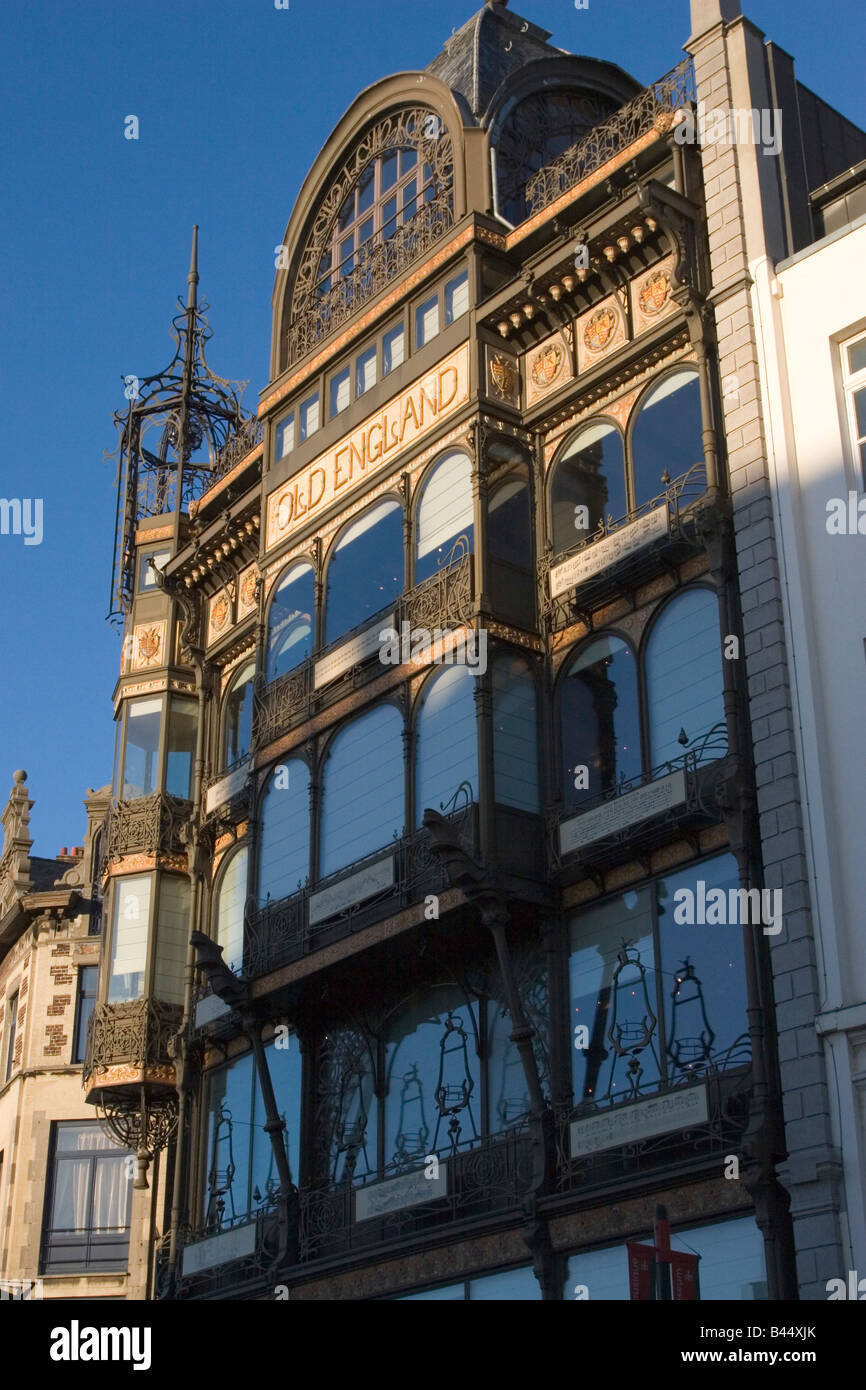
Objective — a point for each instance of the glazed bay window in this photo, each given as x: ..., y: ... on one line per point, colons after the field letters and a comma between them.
x: 854, y: 378
x: 141, y: 751
x: 129, y: 933
x: 660, y: 1000
x: 180, y: 750
x: 88, y: 1200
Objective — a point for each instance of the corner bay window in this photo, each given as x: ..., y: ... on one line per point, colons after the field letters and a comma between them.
x: 129, y: 931
x: 88, y: 1198
x: 659, y: 1001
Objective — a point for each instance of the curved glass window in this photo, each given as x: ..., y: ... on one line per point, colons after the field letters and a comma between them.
x: 509, y: 523
x: 515, y: 734
x: 444, y: 514
x: 685, y: 684
x: 446, y: 749
x: 229, y: 915
x: 432, y: 1076
x: 599, y: 720
x: 667, y: 434
x: 588, y: 485
x: 140, y: 774
x: 290, y: 621
x: 284, y: 844
x: 238, y: 717
x: 129, y: 933
x: 365, y: 571
x: 362, y: 790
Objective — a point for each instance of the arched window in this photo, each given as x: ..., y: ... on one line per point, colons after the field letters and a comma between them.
x: 238, y: 716
x: 515, y: 734
x: 231, y: 896
x: 446, y: 751
x: 685, y: 685
x: 590, y: 475
x: 509, y: 521
x: 536, y: 130
x: 444, y: 514
x: 667, y: 434
x: 599, y: 720
x: 365, y: 571
x: 290, y: 621
x: 284, y: 843
x: 433, y: 1077
x: 362, y: 790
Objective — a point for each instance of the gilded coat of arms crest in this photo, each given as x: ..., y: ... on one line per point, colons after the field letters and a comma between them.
x: 600, y: 329
x: 149, y: 643
x: 248, y: 590
x: 219, y: 613
x: 503, y: 376
x: 547, y: 365
x: 654, y: 292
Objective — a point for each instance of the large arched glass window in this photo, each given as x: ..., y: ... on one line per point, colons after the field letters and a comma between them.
x: 444, y: 514
x: 599, y: 720
x: 284, y: 843
x: 446, y: 749
x: 362, y: 790
x: 238, y: 717
x: 231, y: 895
x: 588, y: 485
x: 515, y: 734
x: 509, y: 521
x: 685, y: 684
x: 667, y: 434
x: 433, y: 1077
x: 365, y: 571
x: 290, y: 621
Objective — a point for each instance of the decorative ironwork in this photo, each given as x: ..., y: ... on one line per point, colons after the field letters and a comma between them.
x: 139, y: 1033
x: 651, y: 109
x: 143, y: 1123
x: 311, y: 316
x: 146, y: 825
x: 533, y: 132
x: 241, y: 442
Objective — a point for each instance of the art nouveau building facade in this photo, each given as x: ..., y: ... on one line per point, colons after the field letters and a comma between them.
x: 435, y: 718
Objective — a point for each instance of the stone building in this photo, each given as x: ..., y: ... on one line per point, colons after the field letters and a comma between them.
x: 68, y: 1227
x: 458, y: 904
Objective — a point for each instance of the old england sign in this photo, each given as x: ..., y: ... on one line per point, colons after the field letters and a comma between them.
x: 369, y: 449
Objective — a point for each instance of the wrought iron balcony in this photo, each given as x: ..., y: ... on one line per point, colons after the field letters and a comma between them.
x: 236, y: 447
x: 377, y: 264
x: 137, y: 1034
x: 642, y: 812
x: 358, y: 896
x: 442, y: 602
x: 623, y: 553
x: 651, y: 109
x: 706, y: 1115
x: 148, y: 825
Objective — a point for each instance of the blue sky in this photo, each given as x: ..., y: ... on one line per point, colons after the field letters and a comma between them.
x: 234, y: 98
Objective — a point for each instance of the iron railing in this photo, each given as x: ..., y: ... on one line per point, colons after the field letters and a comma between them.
x: 237, y: 446
x: 651, y: 109
x: 137, y: 1033
x: 146, y: 825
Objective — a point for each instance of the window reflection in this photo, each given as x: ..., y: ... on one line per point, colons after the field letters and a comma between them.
x: 362, y: 789
x: 231, y: 897
x: 141, y: 759
x: 588, y: 485
x: 515, y: 734
x: 238, y: 717
x: 446, y: 740
x: 365, y: 571
x: 444, y: 514
x: 599, y: 720
x: 434, y: 1095
x: 685, y: 682
x: 182, y: 725
x: 667, y: 435
x: 284, y: 836
x: 290, y: 621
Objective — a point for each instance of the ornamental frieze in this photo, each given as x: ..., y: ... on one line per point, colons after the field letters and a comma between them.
x: 651, y: 298
x: 547, y: 367
x: 599, y: 333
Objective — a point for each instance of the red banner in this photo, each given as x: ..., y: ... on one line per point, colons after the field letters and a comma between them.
x: 640, y: 1268
x: 684, y: 1275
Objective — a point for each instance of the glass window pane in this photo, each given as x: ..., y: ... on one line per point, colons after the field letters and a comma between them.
x: 286, y: 436
x: 588, y: 486
x: 515, y: 1285
x: 508, y: 1099
x: 446, y: 750
x: 365, y: 371
x: 141, y: 765
x: 365, y: 232
x: 70, y: 1207
x: 685, y: 682
x: 145, y: 576
x: 129, y: 937
x: 389, y: 170
x: 347, y: 1109
x: 340, y: 391
x: 703, y: 973
x: 667, y: 434
x: 284, y: 1064
x: 284, y: 844
x: 393, y: 349
x: 509, y: 524
x: 614, y: 996
x: 112, y: 1193
x: 82, y: 1138
x: 290, y: 621
x: 172, y: 938
x: 347, y: 211
x: 433, y: 1078
x: 599, y: 720
x: 860, y: 412
x: 231, y: 898
x: 366, y: 188
x: 182, y: 725
x: 451, y: 1293
x: 408, y: 160
x: 427, y: 321
x: 732, y: 1264
x: 362, y: 795
x: 308, y: 416
x: 857, y: 356
x: 515, y: 734
x: 229, y: 1108
x: 238, y: 717
x: 365, y: 571
x: 456, y: 297
x: 444, y: 514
